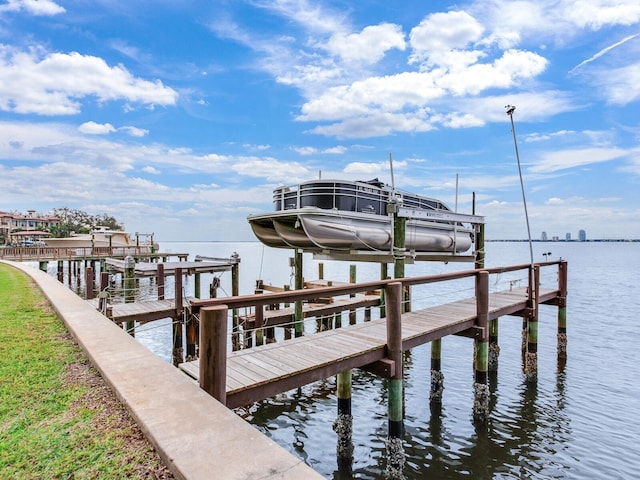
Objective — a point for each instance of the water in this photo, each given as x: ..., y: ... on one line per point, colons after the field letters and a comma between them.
x: 582, y: 421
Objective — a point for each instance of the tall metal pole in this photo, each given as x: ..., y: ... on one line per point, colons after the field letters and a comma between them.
x: 510, y: 110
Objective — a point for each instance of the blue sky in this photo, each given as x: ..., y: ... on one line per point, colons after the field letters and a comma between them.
x: 180, y: 117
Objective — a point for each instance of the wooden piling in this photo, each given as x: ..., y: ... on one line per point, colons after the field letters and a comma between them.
x: 213, y: 351
x: 103, y: 296
x: 562, y: 311
x: 191, y: 327
x: 384, y: 274
x: 213, y: 287
x: 88, y: 283
x: 531, y: 357
x: 480, y: 386
x: 299, y: 285
x: 343, y: 426
x: 60, y: 270
x: 129, y: 290
x: 352, y: 279
x: 196, y: 285
x: 437, y: 377
x: 399, y: 249
x: 494, y: 347
x: 192, y: 339
x: 479, y: 245
x: 160, y: 281
x: 178, y: 350
x: 394, y: 448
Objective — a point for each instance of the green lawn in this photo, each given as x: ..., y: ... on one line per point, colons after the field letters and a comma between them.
x: 57, y: 417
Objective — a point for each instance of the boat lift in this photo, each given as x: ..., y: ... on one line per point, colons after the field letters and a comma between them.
x: 411, y: 256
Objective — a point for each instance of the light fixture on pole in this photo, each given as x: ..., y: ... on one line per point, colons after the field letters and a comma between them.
x: 510, y: 110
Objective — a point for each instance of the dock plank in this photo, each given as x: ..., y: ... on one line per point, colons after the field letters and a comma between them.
x: 266, y: 370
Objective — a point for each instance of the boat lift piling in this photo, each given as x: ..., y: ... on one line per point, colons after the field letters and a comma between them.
x: 562, y: 315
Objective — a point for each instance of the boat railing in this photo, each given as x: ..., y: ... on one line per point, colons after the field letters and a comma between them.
x: 353, y: 197
x: 348, y: 196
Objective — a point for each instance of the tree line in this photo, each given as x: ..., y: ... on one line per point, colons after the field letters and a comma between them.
x: 78, y: 221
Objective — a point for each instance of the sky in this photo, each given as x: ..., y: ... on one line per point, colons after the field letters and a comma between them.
x: 181, y: 117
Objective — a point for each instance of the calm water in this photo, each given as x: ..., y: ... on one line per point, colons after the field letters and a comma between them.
x: 580, y: 422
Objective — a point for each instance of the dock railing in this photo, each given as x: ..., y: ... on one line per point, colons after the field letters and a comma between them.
x: 71, y: 253
x: 214, y: 312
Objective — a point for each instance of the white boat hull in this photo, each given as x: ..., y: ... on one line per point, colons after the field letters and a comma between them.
x: 318, y: 229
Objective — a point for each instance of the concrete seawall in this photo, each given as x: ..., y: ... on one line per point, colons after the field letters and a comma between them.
x: 196, y: 436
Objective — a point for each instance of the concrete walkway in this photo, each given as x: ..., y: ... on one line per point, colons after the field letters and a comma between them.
x: 196, y: 436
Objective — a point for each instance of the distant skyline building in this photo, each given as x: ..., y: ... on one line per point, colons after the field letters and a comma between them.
x: 582, y: 235
x: 568, y: 237
x: 544, y: 237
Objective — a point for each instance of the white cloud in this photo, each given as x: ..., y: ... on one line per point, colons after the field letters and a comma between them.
x: 510, y: 23
x: 134, y: 131
x: 54, y: 83
x: 367, y: 46
x: 34, y: 7
x: 440, y: 33
x: 540, y: 137
x: 596, y: 14
x: 370, y: 168
x: 151, y: 170
x: 564, y: 159
x: 305, y: 151
x: 93, y: 128
x: 619, y: 85
x: 258, y: 148
x: 271, y: 169
x: 337, y: 150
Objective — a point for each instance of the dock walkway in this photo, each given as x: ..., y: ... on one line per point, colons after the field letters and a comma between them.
x: 263, y: 371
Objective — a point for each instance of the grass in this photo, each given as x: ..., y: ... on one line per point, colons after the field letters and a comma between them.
x: 57, y: 417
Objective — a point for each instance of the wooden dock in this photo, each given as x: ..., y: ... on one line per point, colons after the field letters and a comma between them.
x: 45, y: 254
x: 260, y: 372
x: 150, y: 269
x: 140, y: 312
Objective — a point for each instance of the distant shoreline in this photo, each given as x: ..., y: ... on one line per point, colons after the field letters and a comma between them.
x: 618, y: 240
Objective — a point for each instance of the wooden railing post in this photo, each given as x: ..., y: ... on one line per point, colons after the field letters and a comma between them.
x: 352, y: 279
x: 259, y: 320
x: 395, y: 450
x: 213, y: 351
x: 480, y: 387
x: 160, y: 281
